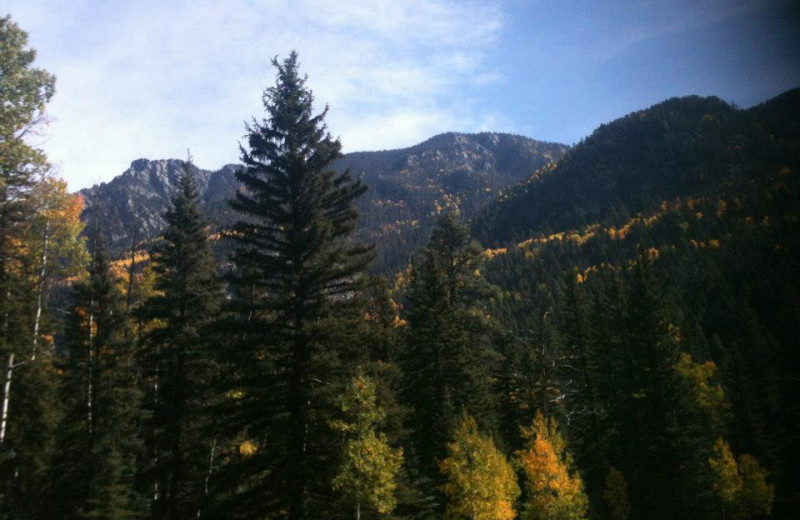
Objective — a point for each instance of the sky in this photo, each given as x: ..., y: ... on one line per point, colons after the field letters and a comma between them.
x: 153, y: 79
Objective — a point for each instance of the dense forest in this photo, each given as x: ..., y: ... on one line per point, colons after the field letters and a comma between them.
x: 623, y: 346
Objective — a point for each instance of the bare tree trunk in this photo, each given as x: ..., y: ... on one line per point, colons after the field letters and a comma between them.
x: 6, y: 396
x: 132, y: 267
x: 40, y: 291
x: 155, y: 430
x: 208, y: 475
x: 90, y: 368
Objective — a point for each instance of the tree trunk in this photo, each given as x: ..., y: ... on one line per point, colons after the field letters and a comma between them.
x: 208, y: 476
x: 132, y: 267
x: 40, y: 291
x: 6, y: 396
x: 90, y: 371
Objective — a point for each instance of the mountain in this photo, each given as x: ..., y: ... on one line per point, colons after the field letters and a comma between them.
x: 134, y: 203
x: 407, y: 188
x: 707, y: 197
x: 681, y: 147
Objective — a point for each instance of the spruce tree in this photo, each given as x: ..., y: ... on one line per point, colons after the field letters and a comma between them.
x: 449, y: 360
x: 578, y: 376
x: 295, y: 266
x: 650, y: 397
x: 178, y: 359
x: 99, y: 452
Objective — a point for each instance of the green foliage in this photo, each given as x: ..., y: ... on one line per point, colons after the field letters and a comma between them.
x: 296, y: 266
x: 449, y: 361
x: 481, y: 485
x: 26, y: 396
x: 178, y: 359
x: 651, y: 311
x: 25, y: 91
x: 96, y: 470
x: 368, y: 473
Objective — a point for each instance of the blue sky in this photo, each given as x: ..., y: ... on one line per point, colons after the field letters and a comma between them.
x: 140, y: 78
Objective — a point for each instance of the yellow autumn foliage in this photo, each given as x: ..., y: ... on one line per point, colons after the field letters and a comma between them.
x: 741, y: 488
x: 727, y: 483
x: 481, y: 485
x: 705, y: 392
x: 369, y: 467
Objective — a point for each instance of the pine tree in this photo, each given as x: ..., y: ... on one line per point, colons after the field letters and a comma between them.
x: 535, y: 363
x: 578, y: 379
x: 178, y: 359
x: 449, y: 360
x: 651, y: 395
x: 295, y: 265
x: 99, y: 444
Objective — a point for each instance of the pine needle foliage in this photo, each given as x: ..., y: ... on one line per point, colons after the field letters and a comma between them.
x: 178, y: 359
x: 96, y: 471
x: 296, y: 264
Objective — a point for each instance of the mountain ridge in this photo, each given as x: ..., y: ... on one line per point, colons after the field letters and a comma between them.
x: 407, y: 187
x: 679, y: 147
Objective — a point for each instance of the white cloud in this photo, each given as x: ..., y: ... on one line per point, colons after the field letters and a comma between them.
x: 151, y: 79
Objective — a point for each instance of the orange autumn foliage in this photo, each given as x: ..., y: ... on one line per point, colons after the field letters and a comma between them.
x: 553, y: 493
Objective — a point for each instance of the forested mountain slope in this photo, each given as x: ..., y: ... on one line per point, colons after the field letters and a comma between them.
x: 661, y: 255
x: 407, y: 187
x: 681, y: 147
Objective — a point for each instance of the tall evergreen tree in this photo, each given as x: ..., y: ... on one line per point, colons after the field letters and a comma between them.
x: 650, y: 397
x: 178, y: 357
x: 99, y: 445
x: 295, y: 265
x: 449, y: 361
x: 579, y: 375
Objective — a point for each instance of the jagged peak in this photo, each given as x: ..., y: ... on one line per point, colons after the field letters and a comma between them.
x: 144, y: 163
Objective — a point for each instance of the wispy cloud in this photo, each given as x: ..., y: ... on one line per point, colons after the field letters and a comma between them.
x: 151, y: 79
